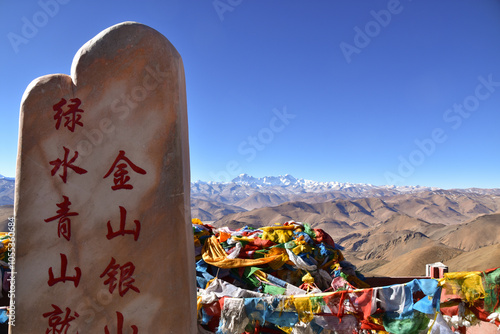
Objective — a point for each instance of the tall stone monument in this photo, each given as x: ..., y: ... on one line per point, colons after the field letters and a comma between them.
x: 104, y: 237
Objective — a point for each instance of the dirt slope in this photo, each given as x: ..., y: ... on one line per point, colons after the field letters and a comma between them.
x: 479, y: 259
x: 482, y: 231
x: 413, y: 263
x: 6, y: 211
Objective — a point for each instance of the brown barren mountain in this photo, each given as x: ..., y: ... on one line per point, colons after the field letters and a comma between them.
x: 209, y: 211
x: 6, y: 211
x: 413, y: 263
x: 380, y: 252
x: 396, y: 235
x: 445, y: 206
x: 480, y: 232
x: 337, y: 217
x: 343, y: 216
x: 261, y: 200
x: 479, y: 259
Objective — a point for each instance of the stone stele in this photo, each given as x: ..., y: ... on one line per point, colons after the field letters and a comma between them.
x: 103, y: 231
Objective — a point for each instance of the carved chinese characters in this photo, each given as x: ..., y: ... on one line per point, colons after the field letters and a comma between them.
x: 120, y: 164
x: 63, y: 214
x: 102, y: 193
x: 72, y: 115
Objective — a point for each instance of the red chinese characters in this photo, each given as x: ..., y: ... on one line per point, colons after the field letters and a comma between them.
x: 58, y: 321
x: 121, y: 276
x: 68, y: 115
x: 121, y: 178
x: 125, y: 280
x: 122, y: 231
x: 119, y: 329
x: 63, y: 278
x: 72, y: 115
x: 65, y: 164
x: 116, y: 276
x: 64, y: 225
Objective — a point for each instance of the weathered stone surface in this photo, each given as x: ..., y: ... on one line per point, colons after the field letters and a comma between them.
x: 130, y: 82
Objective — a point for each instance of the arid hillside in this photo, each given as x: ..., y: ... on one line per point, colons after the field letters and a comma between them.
x: 398, y: 235
x: 343, y: 216
x: 404, y: 252
x: 6, y: 211
x: 211, y: 211
x: 395, y: 235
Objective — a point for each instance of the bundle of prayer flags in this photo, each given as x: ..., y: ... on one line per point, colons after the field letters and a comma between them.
x: 293, y: 279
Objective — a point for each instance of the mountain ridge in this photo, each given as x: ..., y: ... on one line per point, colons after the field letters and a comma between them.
x: 7, y: 185
x: 295, y: 185
x: 250, y: 192
x: 2, y: 177
x: 382, y: 229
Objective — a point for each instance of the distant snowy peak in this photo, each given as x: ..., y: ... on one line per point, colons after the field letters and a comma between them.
x: 6, y: 178
x: 247, y: 180
x: 244, y: 179
x: 247, y: 191
x: 295, y: 185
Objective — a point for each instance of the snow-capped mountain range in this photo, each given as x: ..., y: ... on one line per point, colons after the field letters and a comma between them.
x: 287, y: 184
x: 250, y: 192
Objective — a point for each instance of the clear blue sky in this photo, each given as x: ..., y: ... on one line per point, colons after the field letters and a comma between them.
x: 381, y: 92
